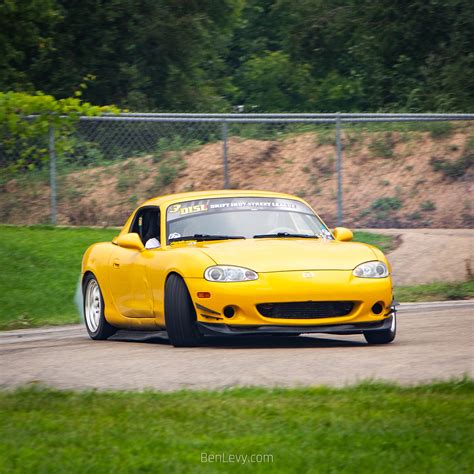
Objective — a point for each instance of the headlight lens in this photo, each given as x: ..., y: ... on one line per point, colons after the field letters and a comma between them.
x: 229, y: 273
x: 371, y: 270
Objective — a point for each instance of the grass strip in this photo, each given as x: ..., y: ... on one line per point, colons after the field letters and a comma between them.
x: 41, y: 266
x: 371, y: 427
x: 386, y: 243
x: 435, y: 291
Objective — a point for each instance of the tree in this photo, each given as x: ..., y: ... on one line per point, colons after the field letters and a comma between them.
x: 147, y: 54
x: 402, y: 55
x: 26, y: 40
x: 270, y: 82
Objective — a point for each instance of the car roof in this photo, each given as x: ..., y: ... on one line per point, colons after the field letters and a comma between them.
x: 196, y: 195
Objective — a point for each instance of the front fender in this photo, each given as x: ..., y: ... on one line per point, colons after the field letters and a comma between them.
x: 188, y: 262
x: 96, y: 259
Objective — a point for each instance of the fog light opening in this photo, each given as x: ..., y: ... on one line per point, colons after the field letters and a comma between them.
x: 377, y: 308
x: 229, y: 311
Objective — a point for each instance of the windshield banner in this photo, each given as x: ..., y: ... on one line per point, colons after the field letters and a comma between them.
x: 188, y: 208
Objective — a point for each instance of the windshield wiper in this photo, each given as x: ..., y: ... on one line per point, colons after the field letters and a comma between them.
x: 285, y: 234
x: 203, y: 237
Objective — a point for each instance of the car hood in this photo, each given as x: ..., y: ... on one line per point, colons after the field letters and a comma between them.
x: 273, y: 255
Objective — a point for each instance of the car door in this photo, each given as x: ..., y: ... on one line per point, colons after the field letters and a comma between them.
x: 129, y: 281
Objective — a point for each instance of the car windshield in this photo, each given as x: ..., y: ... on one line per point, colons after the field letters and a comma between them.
x: 242, y: 217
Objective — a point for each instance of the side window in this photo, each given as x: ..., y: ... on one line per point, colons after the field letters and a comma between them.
x: 147, y: 224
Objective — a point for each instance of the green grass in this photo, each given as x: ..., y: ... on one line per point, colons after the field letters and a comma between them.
x: 40, y: 268
x: 436, y: 291
x: 371, y: 427
x: 385, y: 243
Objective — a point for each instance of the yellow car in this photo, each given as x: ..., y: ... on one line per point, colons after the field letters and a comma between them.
x: 234, y: 263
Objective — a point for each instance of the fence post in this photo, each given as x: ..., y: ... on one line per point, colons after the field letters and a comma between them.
x: 224, y: 152
x: 52, y: 175
x: 340, y: 216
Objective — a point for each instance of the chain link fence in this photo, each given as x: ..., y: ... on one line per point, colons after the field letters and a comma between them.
x: 359, y: 170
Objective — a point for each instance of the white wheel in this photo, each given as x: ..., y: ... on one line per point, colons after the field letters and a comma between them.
x: 96, y: 324
x: 92, y: 305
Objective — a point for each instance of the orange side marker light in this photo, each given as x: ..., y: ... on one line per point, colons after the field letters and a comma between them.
x: 203, y: 294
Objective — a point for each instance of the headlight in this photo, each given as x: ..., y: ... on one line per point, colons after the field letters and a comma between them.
x: 228, y: 273
x: 371, y: 270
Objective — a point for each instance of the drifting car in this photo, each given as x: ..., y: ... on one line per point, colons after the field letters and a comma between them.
x: 235, y: 263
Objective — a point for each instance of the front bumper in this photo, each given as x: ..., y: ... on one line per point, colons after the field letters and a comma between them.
x: 295, y: 286
x: 355, y: 328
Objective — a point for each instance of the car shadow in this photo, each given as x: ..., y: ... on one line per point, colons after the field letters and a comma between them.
x: 281, y: 342
x: 243, y: 342
x: 154, y: 337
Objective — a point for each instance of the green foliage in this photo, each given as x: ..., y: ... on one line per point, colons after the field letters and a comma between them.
x: 453, y: 169
x: 440, y: 130
x: 174, y: 143
x: 414, y: 216
x: 25, y: 121
x: 268, y: 55
x: 143, y: 55
x: 271, y: 82
x: 393, y: 53
x: 424, y: 428
x: 382, y: 146
x: 81, y: 153
x: 27, y: 37
x: 386, y: 204
x: 326, y: 137
x: 169, y: 169
x: 381, y: 212
x: 427, y: 206
x: 129, y: 177
x: 167, y: 175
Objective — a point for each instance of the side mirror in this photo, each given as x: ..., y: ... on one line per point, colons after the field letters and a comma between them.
x: 130, y: 241
x: 342, y: 234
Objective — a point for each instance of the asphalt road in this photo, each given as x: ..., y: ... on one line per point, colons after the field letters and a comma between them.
x: 435, y: 341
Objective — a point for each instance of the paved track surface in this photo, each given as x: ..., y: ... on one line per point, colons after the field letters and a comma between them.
x: 435, y: 341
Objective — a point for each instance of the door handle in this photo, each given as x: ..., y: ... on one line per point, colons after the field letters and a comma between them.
x: 116, y: 263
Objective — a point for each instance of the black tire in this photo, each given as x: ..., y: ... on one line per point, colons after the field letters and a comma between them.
x: 101, y: 329
x: 180, y: 315
x: 385, y: 336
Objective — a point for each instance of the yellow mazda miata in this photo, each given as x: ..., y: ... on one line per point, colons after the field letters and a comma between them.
x: 233, y: 263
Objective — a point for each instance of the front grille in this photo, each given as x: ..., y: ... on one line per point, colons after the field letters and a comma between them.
x: 305, y: 310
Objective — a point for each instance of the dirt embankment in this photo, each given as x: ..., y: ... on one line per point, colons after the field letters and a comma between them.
x: 390, y: 179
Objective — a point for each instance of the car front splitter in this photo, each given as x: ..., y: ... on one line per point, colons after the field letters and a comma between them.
x: 233, y: 330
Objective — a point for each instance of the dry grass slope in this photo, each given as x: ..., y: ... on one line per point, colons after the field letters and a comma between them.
x: 391, y: 179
